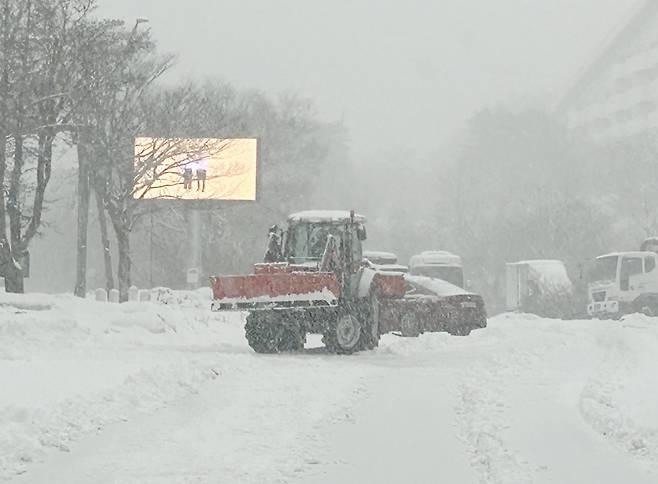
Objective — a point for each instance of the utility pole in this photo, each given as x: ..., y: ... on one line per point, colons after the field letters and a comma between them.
x: 194, y: 261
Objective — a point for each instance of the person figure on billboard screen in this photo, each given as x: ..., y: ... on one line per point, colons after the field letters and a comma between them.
x: 201, y: 172
x: 188, y: 175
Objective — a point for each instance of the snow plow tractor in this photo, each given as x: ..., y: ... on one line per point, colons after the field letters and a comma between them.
x: 314, y: 280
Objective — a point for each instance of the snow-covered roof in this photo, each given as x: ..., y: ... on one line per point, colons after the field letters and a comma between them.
x: 635, y: 253
x: 435, y: 257
x: 437, y: 286
x: 391, y: 268
x: 317, y: 216
x: 537, y: 262
x: 378, y: 254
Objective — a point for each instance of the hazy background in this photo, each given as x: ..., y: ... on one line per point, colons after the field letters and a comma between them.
x: 433, y: 119
x: 392, y: 71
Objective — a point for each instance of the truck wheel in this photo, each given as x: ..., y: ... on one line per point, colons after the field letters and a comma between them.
x: 647, y: 305
x: 409, y: 325
x: 345, y: 335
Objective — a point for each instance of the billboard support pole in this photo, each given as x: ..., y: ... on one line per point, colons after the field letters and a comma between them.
x: 194, y: 268
x: 151, y: 252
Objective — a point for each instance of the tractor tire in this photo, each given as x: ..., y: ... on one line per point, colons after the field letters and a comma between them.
x: 269, y: 332
x: 345, y: 335
x: 371, y: 329
x: 409, y: 327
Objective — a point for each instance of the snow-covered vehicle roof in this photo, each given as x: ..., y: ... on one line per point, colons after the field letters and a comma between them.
x: 328, y: 216
x: 378, y: 254
x: 435, y: 257
x: 627, y: 254
x: 435, y: 286
x: 391, y: 268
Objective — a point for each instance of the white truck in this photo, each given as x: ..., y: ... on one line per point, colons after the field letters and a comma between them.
x: 439, y: 265
x: 623, y: 283
x: 533, y: 282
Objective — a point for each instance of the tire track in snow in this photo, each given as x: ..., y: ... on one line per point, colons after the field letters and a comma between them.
x: 28, y: 434
x: 600, y: 401
x: 484, y: 410
x: 481, y: 415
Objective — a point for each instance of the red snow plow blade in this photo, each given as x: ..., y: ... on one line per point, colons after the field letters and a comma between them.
x: 267, y: 290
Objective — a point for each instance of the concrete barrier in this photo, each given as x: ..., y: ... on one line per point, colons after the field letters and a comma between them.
x: 114, y: 295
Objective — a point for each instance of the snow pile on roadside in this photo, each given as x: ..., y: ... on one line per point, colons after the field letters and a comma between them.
x: 200, y: 299
x: 72, y: 366
x: 26, y: 433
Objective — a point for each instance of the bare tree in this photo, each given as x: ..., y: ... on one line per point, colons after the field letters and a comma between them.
x: 38, y: 71
x: 108, y: 49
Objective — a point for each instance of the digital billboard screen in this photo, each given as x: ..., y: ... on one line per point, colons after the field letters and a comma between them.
x: 195, y: 168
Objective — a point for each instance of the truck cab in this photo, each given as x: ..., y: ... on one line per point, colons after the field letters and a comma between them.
x: 622, y: 283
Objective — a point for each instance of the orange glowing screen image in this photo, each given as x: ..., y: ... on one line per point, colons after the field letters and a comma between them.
x: 195, y: 168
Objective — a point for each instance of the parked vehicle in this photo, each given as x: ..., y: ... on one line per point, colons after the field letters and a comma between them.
x: 439, y: 265
x: 384, y: 261
x: 538, y: 287
x: 379, y: 257
x: 622, y: 283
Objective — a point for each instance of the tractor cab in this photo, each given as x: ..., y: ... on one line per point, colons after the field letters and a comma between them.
x: 310, y: 234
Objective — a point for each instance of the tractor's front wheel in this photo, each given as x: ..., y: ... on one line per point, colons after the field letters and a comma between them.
x: 270, y: 332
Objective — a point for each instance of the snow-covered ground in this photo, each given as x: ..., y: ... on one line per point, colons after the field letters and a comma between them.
x: 171, y: 393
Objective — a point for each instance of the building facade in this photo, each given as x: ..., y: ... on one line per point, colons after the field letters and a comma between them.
x: 616, y: 95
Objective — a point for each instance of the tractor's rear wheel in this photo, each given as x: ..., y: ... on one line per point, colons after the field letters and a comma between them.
x: 372, y: 328
x: 409, y: 326
x: 274, y: 332
x: 345, y: 334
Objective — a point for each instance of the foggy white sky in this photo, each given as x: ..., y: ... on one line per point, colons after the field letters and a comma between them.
x: 394, y: 70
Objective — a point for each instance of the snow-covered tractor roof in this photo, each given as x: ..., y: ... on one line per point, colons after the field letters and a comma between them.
x: 324, y: 216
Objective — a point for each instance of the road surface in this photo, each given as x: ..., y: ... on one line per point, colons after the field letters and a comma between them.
x: 524, y: 401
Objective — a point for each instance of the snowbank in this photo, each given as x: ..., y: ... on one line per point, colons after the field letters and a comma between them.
x: 69, y: 366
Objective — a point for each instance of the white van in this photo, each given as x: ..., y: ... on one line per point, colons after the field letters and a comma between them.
x: 533, y: 279
x: 438, y: 265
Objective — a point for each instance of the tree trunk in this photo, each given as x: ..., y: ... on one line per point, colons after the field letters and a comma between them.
x: 14, y: 281
x: 105, y: 241
x: 83, y: 217
x: 13, y: 276
x: 123, y: 272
